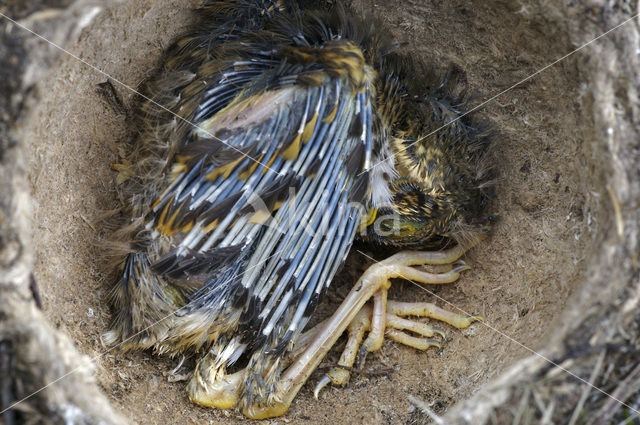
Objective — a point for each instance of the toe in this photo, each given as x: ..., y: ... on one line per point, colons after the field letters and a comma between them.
x: 419, y: 343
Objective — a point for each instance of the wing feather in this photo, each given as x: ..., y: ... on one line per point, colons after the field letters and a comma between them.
x: 260, y: 205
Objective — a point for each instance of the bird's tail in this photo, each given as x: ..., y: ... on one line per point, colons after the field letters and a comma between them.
x: 152, y: 310
x: 145, y: 305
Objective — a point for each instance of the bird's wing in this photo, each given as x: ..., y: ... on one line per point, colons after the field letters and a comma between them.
x: 266, y: 197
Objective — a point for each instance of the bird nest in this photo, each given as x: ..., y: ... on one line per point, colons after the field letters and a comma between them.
x: 557, y: 282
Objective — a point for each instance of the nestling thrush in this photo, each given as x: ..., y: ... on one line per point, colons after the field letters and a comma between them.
x: 276, y: 133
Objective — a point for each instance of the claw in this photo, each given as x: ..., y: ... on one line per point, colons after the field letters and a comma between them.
x: 433, y: 343
x: 320, y: 385
x: 460, y: 266
x: 362, y: 356
x: 439, y: 331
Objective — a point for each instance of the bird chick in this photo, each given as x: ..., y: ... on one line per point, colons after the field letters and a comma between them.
x: 274, y: 134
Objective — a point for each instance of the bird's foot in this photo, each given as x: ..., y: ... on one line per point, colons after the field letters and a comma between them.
x: 426, y: 267
x: 211, y: 386
x: 395, y: 325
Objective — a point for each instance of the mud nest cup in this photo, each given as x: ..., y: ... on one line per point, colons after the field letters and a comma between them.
x: 559, y: 276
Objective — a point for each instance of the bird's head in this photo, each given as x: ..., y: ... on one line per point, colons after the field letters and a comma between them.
x: 416, y: 217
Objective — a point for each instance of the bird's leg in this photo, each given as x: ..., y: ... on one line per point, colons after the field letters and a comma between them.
x: 373, y: 283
